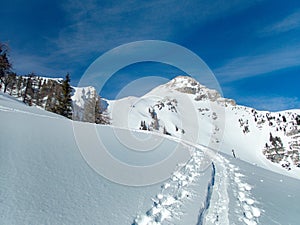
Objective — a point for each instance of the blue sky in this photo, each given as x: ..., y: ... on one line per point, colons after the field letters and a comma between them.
x: 253, y: 47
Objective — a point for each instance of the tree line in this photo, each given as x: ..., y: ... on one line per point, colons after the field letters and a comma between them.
x: 53, y: 95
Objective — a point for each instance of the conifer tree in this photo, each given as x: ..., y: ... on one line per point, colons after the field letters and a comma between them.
x: 64, y: 107
x: 5, y: 67
x: 27, y: 96
x: 19, y: 85
x: 283, y: 119
x: 10, y: 83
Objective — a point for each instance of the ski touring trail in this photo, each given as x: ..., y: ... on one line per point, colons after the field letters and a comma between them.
x: 229, y: 180
x: 225, y: 181
x: 167, y: 204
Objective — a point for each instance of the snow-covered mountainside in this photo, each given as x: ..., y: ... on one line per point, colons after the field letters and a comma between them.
x: 84, y: 101
x: 44, y: 179
x: 185, y: 109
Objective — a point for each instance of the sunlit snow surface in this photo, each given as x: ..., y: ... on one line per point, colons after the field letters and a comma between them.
x: 183, y: 104
x: 45, y: 180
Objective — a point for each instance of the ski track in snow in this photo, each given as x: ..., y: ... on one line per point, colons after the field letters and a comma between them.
x: 228, y: 178
x: 217, y: 213
x: 166, y: 204
x: 225, y: 177
x: 210, y: 187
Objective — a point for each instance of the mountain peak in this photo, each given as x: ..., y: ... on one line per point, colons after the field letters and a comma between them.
x: 189, y: 85
x: 184, y: 81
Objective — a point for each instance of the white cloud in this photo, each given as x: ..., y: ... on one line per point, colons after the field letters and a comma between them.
x: 273, y: 104
x: 272, y: 60
x: 288, y: 23
x: 254, y: 65
x: 96, y: 26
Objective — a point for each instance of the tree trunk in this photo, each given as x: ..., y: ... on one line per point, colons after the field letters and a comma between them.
x: 5, y: 87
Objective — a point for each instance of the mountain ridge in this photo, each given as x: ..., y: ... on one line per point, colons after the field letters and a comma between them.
x: 186, y: 109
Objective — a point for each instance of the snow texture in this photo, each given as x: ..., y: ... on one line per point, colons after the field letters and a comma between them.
x: 45, y: 180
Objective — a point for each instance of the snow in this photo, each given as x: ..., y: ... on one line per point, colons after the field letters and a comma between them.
x: 213, y: 121
x: 271, y: 202
x: 59, y: 79
x: 45, y: 179
x: 83, y: 101
x: 169, y: 202
x: 81, y: 94
x: 11, y: 104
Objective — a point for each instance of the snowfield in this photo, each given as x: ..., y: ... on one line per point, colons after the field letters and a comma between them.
x: 44, y: 178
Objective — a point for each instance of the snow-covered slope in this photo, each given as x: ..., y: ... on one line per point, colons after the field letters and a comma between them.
x: 186, y: 109
x: 45, y: 180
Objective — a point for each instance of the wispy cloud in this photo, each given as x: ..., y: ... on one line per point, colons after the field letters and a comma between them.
x: 97, y: 27
x: 92, y: 27
x: 272, y: 104
x: 288, y: 23
x: 254, y: 65
x: 36, y: 64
